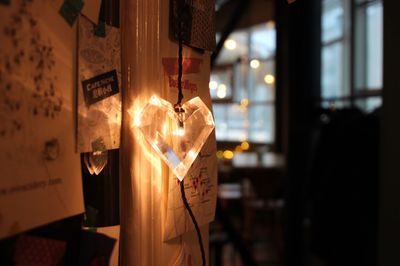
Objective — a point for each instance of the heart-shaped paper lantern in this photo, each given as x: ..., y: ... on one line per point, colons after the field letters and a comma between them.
x: 176, y: 136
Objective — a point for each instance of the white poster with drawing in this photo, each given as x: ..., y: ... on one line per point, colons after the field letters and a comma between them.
x: 40, y: 178
x: 201, y: 180
x: 99, y: 96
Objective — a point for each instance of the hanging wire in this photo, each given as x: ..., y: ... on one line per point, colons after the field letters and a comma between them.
x: 180, y: 70
x: 178, y: 108
x: 187, y: 206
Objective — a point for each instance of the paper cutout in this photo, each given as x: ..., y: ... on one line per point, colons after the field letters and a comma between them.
x: 40, y: 167
x: 91, y: 10
x: 101, y: 119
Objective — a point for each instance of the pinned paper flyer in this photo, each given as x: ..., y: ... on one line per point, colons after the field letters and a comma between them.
x: 201, y: 178
x: 41, y: 178
x: 99, y: 91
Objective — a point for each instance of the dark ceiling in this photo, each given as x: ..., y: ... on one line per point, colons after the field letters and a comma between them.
x: 258, y: 11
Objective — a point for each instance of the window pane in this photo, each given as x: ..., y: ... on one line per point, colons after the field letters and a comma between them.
x: 332, y: 20
x: 220, y: 118
x: 374, y: 45
x: 262, y: 126
x: 248, y: 113
x: 231, y: 122
x: 369, y: 46
x: 221, y: 84
x: 332, y: 71
x: 263, y: 40
x: 256, y: 84
x: 263, y: 85
x: 241, y: 80
x: 235, y: 47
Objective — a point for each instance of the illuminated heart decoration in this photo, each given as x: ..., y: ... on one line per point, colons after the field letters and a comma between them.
x: 95, y: 161
x: 176, y: 136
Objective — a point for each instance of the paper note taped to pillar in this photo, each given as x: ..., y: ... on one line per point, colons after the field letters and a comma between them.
x: 201, y: 179
x: 40, y: 171
x: 99, y: 97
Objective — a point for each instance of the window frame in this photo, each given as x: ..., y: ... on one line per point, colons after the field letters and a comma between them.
x: 351, y: 32
x: 233, y: 99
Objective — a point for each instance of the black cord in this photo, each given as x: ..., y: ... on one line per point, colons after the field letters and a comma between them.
x: 178, y: 108
x: 196, y: 226
x: 180, y: 66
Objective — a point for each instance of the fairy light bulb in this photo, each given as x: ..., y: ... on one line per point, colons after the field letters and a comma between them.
x: 254, y: 63
x: 230, y: 44
x: 180, y: 126
x: 180, y: 131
